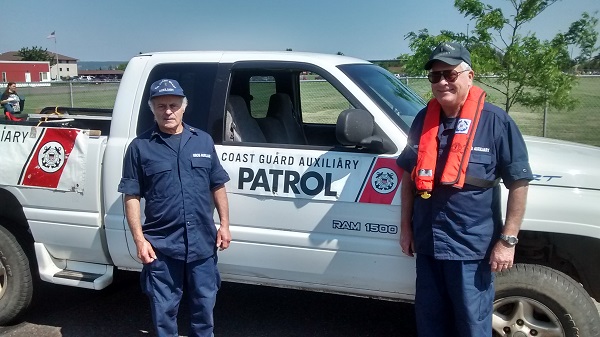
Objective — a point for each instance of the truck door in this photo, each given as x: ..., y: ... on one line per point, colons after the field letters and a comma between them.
x: 304, y: 209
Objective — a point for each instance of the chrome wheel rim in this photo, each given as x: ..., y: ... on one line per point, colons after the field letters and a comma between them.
x: 518, y: 316
x: 3, y: 279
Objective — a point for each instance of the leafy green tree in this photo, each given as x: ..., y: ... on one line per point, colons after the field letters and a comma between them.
x: 122, y: 66
x: 528, y: 71
x: 35, y: 54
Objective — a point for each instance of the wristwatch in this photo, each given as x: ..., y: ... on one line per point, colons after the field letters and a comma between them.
x: 510, y: 239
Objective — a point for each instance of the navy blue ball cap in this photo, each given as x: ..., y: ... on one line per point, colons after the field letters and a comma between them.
x: 166, y: 87
x: 451, y: 53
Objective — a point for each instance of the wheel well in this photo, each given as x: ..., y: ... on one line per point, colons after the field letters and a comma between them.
x: 573, y: 255
x: 13, y: 219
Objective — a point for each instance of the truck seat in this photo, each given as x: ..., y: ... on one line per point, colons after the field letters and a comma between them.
x: 273, y: 130
x: 281, y: 108
x: 239, y: 125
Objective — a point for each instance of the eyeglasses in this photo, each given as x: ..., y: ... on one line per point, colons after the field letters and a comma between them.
x: 449, y: 75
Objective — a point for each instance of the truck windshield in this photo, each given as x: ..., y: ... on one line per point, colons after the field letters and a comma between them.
x: 392, y: 96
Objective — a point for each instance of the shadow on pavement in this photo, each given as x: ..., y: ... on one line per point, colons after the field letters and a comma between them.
x: 241, y: 311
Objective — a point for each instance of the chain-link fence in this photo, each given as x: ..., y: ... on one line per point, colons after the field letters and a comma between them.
x: 580, y: 125
x: 81, y: 94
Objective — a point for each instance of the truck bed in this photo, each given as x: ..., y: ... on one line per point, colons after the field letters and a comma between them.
x: 95, y: 119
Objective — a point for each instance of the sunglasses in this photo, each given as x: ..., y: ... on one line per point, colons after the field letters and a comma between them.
x: 449, y: 75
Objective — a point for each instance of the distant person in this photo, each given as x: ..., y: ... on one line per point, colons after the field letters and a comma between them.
x: 458, y: 149
x: 175, y: 168
x: 11, y: 101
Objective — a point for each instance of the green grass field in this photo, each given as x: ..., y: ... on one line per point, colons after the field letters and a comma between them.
x: 321, y: 103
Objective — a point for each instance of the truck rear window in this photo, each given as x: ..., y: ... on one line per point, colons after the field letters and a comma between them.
x: 197, y: 81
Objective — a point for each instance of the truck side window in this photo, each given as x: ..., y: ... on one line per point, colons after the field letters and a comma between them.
x: 283, y: 105
x: 321, y: 101
x: 321, y: 104
x: 197, y: 81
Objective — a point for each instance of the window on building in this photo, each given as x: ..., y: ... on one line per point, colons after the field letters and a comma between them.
x: 60, y: 69
x: 4, y: 77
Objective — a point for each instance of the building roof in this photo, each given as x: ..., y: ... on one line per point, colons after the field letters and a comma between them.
x: 14, y: 56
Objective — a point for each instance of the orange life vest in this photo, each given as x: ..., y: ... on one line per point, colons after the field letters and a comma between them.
x: 458, y: 158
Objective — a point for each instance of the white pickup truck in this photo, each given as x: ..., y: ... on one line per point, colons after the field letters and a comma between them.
x: 310, y: 143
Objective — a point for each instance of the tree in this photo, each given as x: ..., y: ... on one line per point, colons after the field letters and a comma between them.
x: 529, y: 71
x: 35, y: 54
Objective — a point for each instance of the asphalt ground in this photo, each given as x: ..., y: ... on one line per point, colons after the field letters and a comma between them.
x: 241, y: 310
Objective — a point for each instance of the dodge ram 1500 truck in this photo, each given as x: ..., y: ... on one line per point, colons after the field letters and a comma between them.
x: 310, y: 143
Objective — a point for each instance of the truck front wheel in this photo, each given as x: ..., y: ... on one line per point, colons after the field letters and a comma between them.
x: 16, y: 284
x: 533, y: 300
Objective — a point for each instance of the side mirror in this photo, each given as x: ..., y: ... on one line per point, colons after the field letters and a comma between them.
x: 356, y: 127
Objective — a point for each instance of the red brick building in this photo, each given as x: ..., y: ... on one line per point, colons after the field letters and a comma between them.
x: 24, y: 71
x: 66, y: 67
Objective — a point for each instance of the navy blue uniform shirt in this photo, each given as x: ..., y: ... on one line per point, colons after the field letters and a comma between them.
x: 462, y: 224
x: 176, y: 185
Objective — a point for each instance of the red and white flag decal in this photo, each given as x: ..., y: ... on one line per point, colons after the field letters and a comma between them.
x: 381, y: 185
x: 48, y: 158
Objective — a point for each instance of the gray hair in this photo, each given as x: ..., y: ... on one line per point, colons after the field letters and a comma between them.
x: 465, y: 66
x: 184, y: 103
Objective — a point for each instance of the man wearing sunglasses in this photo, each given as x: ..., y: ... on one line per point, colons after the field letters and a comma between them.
x: 459, y: 148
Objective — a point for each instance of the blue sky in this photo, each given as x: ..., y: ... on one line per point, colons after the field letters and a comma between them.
x: 111, y: 30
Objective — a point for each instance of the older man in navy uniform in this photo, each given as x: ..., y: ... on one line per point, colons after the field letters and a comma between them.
x: 459, y: 148
x: 175, y: 168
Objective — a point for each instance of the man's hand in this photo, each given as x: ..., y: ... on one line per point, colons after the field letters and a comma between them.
x: 223, y: 237
x: 502, y: 257
x: 145, y: 252
x: 406, y: 242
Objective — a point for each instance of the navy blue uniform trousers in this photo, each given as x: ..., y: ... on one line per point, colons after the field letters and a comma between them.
x: 163, y: 281
x: 454, y: 298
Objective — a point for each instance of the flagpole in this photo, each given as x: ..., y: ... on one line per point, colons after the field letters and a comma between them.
x: 56, y: 55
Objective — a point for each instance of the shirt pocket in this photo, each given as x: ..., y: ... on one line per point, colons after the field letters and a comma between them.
x: 159, y: 180
x: 480, y: 165
x: 201, y: 168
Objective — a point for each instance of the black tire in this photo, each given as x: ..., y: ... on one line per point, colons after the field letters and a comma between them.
x: 533, y: 297
x: 16, y: 283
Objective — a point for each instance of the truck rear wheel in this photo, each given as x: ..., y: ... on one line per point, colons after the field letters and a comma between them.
x: 533, y: 300
x: 16, y: 283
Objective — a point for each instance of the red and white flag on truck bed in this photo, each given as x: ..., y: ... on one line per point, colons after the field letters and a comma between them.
x: 52, y: 158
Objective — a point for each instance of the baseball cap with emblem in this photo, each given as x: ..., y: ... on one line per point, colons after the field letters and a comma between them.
x: 166, y: 87
x: 451, y: 53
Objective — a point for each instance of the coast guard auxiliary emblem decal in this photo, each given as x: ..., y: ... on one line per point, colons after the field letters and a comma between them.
x: 51, y: 157
x: 381, y: 183
x: 384, y: 180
